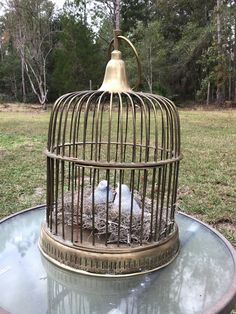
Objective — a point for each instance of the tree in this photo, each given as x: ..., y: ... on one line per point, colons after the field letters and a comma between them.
x: 186, y: 27
x: 231, y: 47
x: 108, y: 8
x: 220, y: 68
x: 9, y: 67
x: 150, y: 46
x: 10, y: 77
x: 29, y: 23
x: 129, y: 12
x: 187, y: 47
x: 77, y: 58
x: 134, y: 12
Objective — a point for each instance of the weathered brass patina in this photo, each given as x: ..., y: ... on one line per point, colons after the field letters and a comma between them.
x: 109, y: 262
x: 128, y: 140
x: 115, y: 80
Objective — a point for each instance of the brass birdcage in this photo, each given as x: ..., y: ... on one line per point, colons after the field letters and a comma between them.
x: 112, y: 174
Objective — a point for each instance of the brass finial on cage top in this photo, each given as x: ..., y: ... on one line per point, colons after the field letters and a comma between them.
x: 115, y: 79
x: 112, y: 175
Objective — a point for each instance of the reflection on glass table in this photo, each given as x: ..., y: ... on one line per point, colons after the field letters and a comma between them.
x: 195, y: 282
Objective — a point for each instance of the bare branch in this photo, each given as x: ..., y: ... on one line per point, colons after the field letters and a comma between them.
x: 32, y: 41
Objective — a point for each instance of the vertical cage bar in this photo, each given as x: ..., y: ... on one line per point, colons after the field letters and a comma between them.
x: 152, y: 202
x: 56, y: 198
x: 63, y: 140
x: 143, y: 205
x: 100, y: 138
x: 107, y: 205
x: 77, y: 122
x: 168, y: 196
x: 93, y: 206
x: 62, y: 198
x: 163, y: 187
x: 54, y: 121
x: 126, y: 128
x: 78, y: 203
x: 147, y: 130
x: 72, y: 201
x: 92, y: 143
x: 98, y: 113
x: 175, y: 185
x: 97, y: 137
x: 51, y: 192
x: 121, y: 131
x: 81, y: 205
x: 48, y: 196
x: 141, y: 145
x: 132, y: 203
x: 109, y: 129
x: 120, y: 197
x: 117, y: 142
x: 157, y: 224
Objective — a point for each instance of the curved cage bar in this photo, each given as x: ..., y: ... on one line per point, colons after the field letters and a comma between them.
x: 112, y: 176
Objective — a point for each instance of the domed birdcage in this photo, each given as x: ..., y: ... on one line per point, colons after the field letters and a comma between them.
x: 112, y: 174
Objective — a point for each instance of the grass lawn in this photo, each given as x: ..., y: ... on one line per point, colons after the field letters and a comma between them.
x: 207, y: 186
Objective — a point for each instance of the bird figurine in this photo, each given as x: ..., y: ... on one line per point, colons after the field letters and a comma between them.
x: 126, y: 198
x: 100, y: 193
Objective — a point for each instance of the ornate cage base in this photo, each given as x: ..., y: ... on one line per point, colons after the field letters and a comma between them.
x: 109, y: 262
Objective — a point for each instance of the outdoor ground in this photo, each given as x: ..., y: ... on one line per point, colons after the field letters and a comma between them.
x: 207, y: 186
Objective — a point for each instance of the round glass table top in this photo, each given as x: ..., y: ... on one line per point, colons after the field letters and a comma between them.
x: 200, y: 280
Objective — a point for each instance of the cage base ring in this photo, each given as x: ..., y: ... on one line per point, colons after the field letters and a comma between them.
x: 95, y: 262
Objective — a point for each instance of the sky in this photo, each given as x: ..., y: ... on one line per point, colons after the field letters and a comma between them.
x: 59, y: 4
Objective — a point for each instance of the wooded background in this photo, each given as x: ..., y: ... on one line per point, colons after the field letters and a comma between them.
x: 187, y: 48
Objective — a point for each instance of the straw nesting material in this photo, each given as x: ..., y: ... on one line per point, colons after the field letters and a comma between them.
x: 133, y: 231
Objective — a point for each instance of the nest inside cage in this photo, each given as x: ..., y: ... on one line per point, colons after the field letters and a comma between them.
x: 126, y: 232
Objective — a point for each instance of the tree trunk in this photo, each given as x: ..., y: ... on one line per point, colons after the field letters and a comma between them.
x: 219, y: 38
x: 23, y: 80
x: 213, y: 94
x: 1, y: 50
x: 219, y: 92
x: 15, y: 86
x: 230, y: 87
x: 208, y: 93
x: 235, y: 92
x: 117, y: 14
x: 150, y: 68
x: 39, y: 91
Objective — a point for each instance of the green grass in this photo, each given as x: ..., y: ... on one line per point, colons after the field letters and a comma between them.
x: 207, y: 185
x: 208, y: 170
x: 22, y: 165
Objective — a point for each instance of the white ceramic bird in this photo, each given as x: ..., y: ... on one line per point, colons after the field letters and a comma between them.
x: 100, y: 193
x: 126, y: 198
